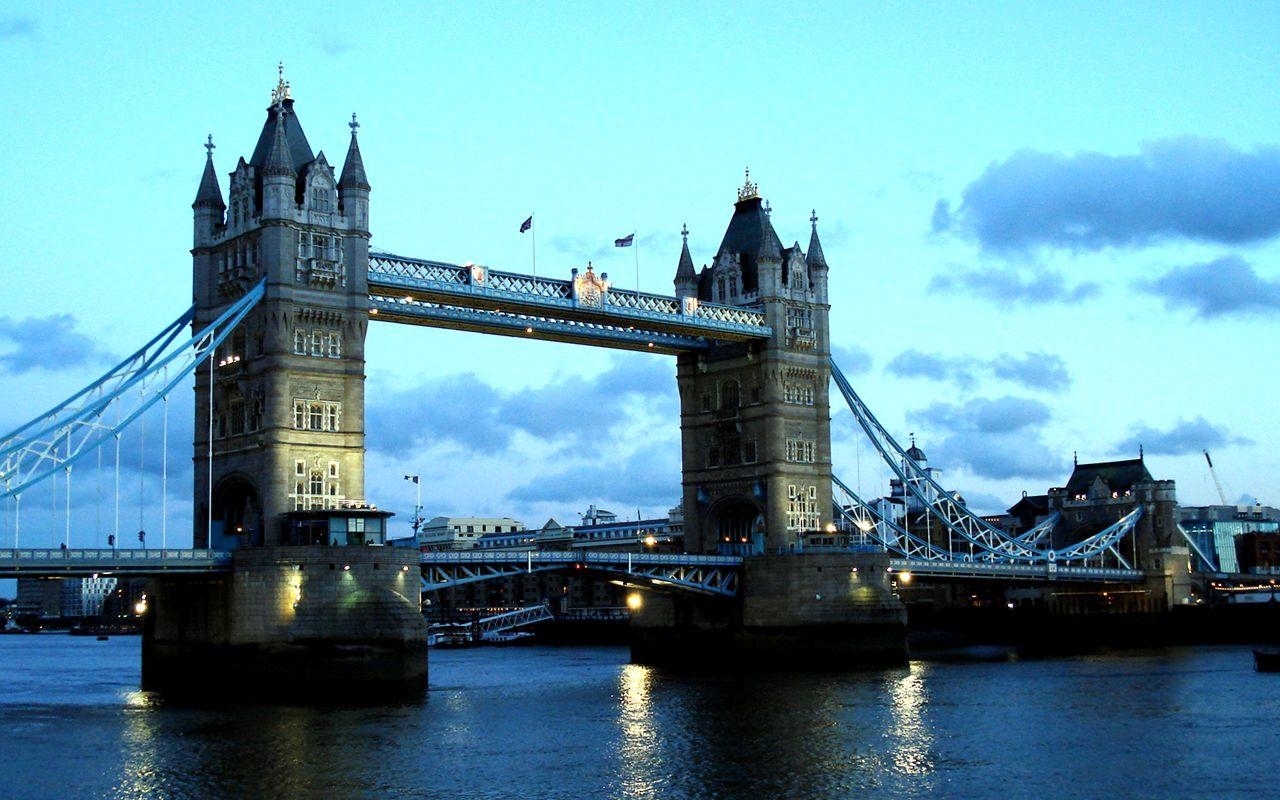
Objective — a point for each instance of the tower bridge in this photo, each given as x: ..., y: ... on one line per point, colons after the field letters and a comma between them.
x: 285, y: 284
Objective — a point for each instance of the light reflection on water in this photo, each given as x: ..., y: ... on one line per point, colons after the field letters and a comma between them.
x: 581, y: 722
x: 912, y: 741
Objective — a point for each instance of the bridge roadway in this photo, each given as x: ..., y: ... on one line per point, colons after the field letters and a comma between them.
x: 699, y: 574
x: 117, y: 562
x: 582, y: 310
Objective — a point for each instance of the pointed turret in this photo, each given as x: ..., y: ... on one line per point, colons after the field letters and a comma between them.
x: 353, y: 186
x: 353, y: 176
x: 279, y: 178
x: 280, y: 162
x: 751, y: 237
x: 208, y: 206
x: 209, y: 194
x: 814, y: 257
x: 686, y: 278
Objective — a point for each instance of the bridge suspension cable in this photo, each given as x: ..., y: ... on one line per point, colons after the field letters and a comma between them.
x: 987, y: 542
x: 58, y: 438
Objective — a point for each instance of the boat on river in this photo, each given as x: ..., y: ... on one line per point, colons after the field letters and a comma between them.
x: 1266, y: 659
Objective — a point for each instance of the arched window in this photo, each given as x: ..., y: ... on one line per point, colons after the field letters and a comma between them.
x: 729, y: 395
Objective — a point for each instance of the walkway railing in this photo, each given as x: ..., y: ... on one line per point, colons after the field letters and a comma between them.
x: 582, y: 309
x: 58, y: 562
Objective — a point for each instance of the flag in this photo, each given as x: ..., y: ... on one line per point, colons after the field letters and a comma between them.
x: 527, y: 224
x: 625, y: 241
x: 413, y: 478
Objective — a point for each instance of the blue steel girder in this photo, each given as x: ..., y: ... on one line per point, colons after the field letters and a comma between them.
x: 502, y: 323
x: 119, y: 562
x: 706, y: 575
x: 1037, y: 573
x: 600, y: 318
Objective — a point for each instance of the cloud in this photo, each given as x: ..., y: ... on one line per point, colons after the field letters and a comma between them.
x: 1009, y: 286
x: 853, y: 360
x: 13, y: 27
x: 1224, y: 287
x: 915, y: 364
x: 1002, y: 415
x: 465, y: 411
x: 1034, y: 370
x: 586, y: 249
x: 1187, y: 436
x: 650, y: 477
x: 1042, y: 371
x: 997, y: 439
x: 47, y: 343
x: 1190, y: 188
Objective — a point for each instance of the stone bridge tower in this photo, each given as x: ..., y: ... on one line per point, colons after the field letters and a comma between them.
x: 288, y: 385
x: 755, y: 419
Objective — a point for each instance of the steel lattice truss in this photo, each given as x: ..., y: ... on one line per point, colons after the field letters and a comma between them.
x: 712, y: 575
x: 58, y: 438
x: 1195, y: 546
x: 472, y: 297
x: 514, y: 619
x: 984, y: 541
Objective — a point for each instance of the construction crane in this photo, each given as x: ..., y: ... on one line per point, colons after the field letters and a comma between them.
x: 1221, y: 494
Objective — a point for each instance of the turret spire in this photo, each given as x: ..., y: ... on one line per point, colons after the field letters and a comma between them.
x: 814, y: 256
x: 280, y: 162
x: 353, y: 176
x: 210, y: 193
x: 685, y: 271
x: 749, y: 190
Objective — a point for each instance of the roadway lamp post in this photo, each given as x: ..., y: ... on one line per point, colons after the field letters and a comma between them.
x: 417, y: 506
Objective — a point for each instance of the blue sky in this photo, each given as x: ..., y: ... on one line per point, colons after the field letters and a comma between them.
x: 1052, y: 228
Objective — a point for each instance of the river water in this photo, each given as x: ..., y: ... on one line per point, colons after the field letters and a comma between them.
x: 580, y: 722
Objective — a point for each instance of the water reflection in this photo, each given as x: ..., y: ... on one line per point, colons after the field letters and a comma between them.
x: 911, y: 739
x: 568, y: 723
x: 640, y: 757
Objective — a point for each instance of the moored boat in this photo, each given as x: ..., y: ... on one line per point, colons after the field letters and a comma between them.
x: 1266, y: 659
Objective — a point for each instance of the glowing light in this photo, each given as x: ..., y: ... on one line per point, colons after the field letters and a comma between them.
x: 346, y: 567
x: 140, y: 607
x: 634, y: 601
x: 650, y: 540
x: 905, y: 577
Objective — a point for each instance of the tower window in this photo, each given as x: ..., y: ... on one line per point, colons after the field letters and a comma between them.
x: 317, y: 415
x: 728, y: 395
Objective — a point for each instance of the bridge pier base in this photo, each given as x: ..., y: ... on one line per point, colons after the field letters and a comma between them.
x: 304, y: 623
x: 1168, y: 576
x: 798, y: 611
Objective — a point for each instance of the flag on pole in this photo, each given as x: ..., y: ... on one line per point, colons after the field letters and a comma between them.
x: 413, y: 478
x: 625, y: 241
x: 527, y: 224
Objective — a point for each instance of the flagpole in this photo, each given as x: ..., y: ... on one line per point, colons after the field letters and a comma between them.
x: 534, y: 243
x: 637, y: 264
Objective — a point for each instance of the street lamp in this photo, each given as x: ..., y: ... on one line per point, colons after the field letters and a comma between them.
x: 417, y: 507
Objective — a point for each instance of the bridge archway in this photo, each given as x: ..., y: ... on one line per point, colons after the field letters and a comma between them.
x: 737, y: 520
x: 237, y: 513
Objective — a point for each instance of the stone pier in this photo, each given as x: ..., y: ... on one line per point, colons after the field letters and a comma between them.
x: 808, y: 611
x: 307, y: 622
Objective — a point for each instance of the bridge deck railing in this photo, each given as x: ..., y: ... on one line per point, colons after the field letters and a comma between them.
x: 466, y: 280
x: 61, y: 561
x: 576, y: 557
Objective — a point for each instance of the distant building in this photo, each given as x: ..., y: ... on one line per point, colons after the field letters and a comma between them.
x: 462, y: 533
x: 1235, y: 538
x: 38, y: 598
x: 1096, y: 496
x: 83, y: 597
